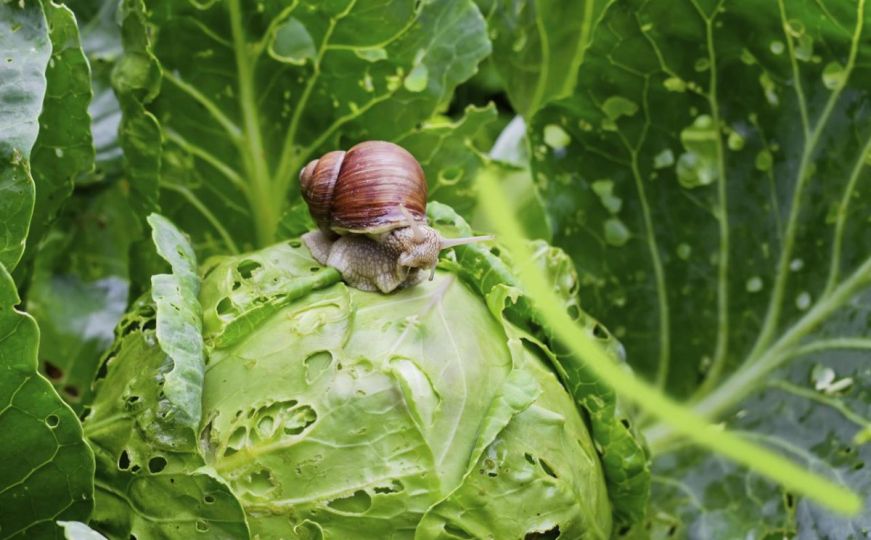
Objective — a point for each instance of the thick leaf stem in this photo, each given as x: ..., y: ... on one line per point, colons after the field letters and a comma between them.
x: 263, y: 207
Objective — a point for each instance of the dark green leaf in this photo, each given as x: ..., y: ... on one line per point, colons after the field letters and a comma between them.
x: 79, y: 287
x: 48, y: 469
x: 250, y: 95
x: 538, y: 47
x: 449, y: 157
x: 64, y: 148
x: 147, y: 482
x: 26, y: 49
x: 709, y: 177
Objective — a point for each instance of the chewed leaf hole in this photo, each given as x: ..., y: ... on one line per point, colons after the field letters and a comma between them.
x: 295, y: 244
x: 236, y: 441
x: 209, y: 499
x: 550, y: 534
x: 260, y: 482
x: 600, y: 332
x: 530, y: 458
x: 225, y: 307
x: 547, y: 468
x: 71, y: 391
x: 266, y: 427
x: 394, y: 487
x: 357, y: 503
x: 314, y: 269
x: 52, y: 371
x: 202, y: 526
x: 247, y: 268
x: 123, y: 461
x: 457, y: 532
x: 316, y: 364
x: 52, y: 420
x: 156, y: 464
x: 299, y: 419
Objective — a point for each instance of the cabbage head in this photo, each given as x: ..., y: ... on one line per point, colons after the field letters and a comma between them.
x: 258, y: 396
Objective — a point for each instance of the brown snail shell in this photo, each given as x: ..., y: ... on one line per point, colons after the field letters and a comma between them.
x: 370, y: 189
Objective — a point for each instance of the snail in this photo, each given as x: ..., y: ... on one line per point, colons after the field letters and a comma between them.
x: 369, y: 204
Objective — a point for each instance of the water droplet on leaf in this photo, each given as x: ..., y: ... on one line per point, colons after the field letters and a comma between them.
x: 616, y: 232
x: 754, y: 284
x: 803, y: 300
x: 833, y: 75
x: 556, y: 137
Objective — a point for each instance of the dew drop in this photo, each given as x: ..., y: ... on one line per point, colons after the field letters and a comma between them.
x: 59, y: 152
x: 675, y: 84
x: 764, y: 160
x: 663, y: 159
x: 684, y: 250
x: 796, y: 264
x: 735, y: 141
x: 803, y: 300
x: 777, y: 47
x: 556, y: 137
x: 833, y: 75
x: 417, y: 79
x: 616, y: 232
x: 754, y: 284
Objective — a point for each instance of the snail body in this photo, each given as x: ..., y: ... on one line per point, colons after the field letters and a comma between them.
x: 369, y: 204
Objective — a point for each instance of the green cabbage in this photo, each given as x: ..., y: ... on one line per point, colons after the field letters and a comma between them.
x: 328, y: 412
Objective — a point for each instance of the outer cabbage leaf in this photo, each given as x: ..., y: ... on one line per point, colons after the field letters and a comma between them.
x: 48, y: 469
x: 26, y: 49
x: 624, y: 456
x: 64, y: 148
x: 270, y: 89
x: 718, y: 232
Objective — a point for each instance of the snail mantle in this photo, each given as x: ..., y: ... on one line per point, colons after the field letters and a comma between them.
x: 369, y: 204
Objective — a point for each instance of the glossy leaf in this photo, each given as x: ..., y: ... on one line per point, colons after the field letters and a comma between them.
x: 147, y: 480
x: 64, y: 148
x: 269, y: 89
x: 624, y: 458
x: 79, y: 286
x: 538, y: 47
x: 716, y: 230
x: 26, y: 50
x: 48, y: 469
x: 179, y: 329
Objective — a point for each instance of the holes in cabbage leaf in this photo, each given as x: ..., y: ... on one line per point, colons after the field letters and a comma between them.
x: 156, y: 464
x: 247, y: 268
x: 202, y: 526
x: 395, y: 486
x: 71, y: 391
x: 357, y: 503
x: 600, y: 332
x: 123, y: 461
x: 52, y: 371
x: 236, y: 284
x: 52, y: 421
x: 236, y: 441
x: 547, y: 468
x: 457, y: 532
x: 299, y: 419
x: 295, y: 244
x: 316, y: 364
x: 209, y: 499
x: 550, y: 534
x: 529, y: 457
x: 314, y: 269
x: 225, y: 307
